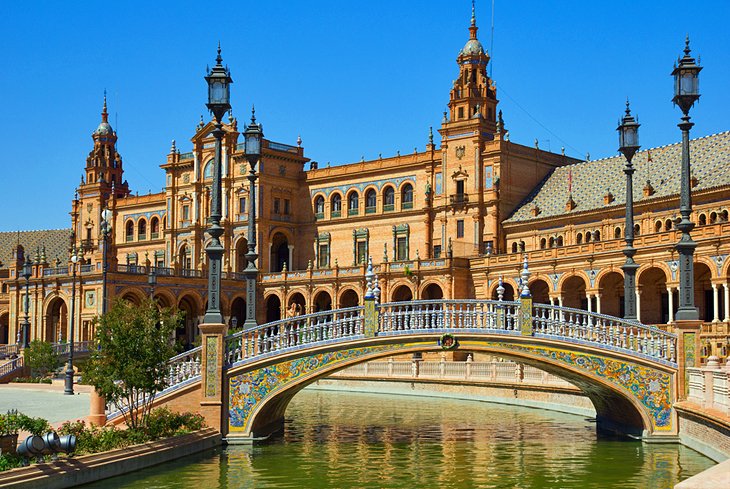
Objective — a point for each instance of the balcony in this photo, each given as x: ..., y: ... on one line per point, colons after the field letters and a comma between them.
x: 154, y: 235
x: 353, y: 212
x: 336, y: 213
x: 407, y: 205
x: 370, y: 210
x: 130, y: 237
x: 388, y: 207
x: 459, y: 199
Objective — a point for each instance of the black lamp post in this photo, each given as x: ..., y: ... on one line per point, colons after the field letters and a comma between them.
x: 106, y: 229
x: 253, y: 136
x: 69, y: 382
x: 152, y: 281
x: 27, y: 273
x: 686, y: 93
x: 219, y: 98
x: 628, y: 140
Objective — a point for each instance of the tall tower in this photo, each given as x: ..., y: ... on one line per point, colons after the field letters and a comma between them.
x: 465, y: 134
x: 101, y: 183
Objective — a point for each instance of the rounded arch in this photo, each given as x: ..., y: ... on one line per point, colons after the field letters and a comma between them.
x: 617, y: 232
x: 406, y: 194
x: 540, y: 290
x: 208, y: 169
x: 321, y: 301
x: 431, y: 291
x: 154, y: 227
x: 296, y: 303
x: 579, y: 238
x: 237, y: 312
x: 573, y: 291
x: 646, y: 267
x: 702, y: 220
x: 348, y: 298
x: 142, y: 228
x: 371, y: 198
x: 353, y: 202
x: 129, y: 230
x: 388, y: 197
x: 336, y: 204
x: 241, y: 247
x: 279, y: 251
x: 190, y: 306
x: 5, y: 328
x: 133, y: 295
x: 318, y: 204
x: 401, y: 293
x: 272, y: 306
x: 654, y: 302
x: 164, y: 298
x: 703, y: 291
x: 509, y: 290
x: 611, y: 285
x: 56, y: 320
x: 616, y: 407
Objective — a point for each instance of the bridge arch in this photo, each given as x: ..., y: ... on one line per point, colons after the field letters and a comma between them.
x: 610, y: 382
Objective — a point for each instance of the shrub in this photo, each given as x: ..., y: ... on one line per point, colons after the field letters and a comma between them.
x: 41, y: 358
x: 35, y: 426
x: 162, y: 423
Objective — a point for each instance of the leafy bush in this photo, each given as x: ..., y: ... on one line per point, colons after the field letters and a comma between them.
x: 35, y: 426
x: 10, y: 461
x: 41, y: 358
x: 32, y: 380
x: 162, y: 423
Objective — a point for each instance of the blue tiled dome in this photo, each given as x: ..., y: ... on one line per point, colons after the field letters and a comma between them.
x: 104, y: 128
x: 472, y: 47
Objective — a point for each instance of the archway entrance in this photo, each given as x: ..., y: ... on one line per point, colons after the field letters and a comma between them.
x: 611, y: 288
x: 279, y: 253
x: 653, y: 296
x: 402, y: 293
x: 574, y: 293
x: 56, y: 321
x: 238, y: 312
x: 704, y: 297
x: 322, y: 301
x: 241, y: 250
x: 4, y: 328
x: 273, y: 308
x: 509, y: 292
x: 540, y: 292
x: 432, y: 292
x: 185, y: 333
x: 349, y: 298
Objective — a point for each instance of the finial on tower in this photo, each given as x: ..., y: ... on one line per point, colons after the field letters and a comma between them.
x: 686, y: 46
x: 219, y: 59
x: 253, y: 114
x: 628, y: 110
x: 473, y: 15
x: 430, y: 136
x: 104, y: 113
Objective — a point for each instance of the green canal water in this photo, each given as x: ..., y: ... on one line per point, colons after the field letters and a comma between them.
x: 345, y: 440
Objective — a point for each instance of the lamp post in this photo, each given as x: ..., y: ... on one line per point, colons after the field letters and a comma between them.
x: 27, y: 272
x: 152, y: 282
x: 253, y: 136
x: 686, y: 93
x: 106, y: 229
x: 628, y: 140
x: 219, y: 97
x: 69, y: 384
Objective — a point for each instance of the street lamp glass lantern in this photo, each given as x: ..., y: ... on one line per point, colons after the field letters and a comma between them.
x: 27, y: 269
x: 253, y: 140
x: 686, y: 81
x: 628, y: 135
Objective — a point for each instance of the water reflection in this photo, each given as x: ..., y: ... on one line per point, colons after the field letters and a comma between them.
x: 344, y: 440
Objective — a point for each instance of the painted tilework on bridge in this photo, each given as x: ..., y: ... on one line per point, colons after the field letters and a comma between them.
x: 652, y: 387
x: 249, y: 389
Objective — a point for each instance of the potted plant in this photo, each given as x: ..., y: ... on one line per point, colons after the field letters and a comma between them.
x: 9, y: 426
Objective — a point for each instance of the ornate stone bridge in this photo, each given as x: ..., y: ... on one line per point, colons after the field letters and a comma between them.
x: 244, y: 381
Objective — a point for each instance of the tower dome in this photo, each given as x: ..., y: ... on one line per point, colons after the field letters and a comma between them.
x: 104, y: 128
x: 472, y: 48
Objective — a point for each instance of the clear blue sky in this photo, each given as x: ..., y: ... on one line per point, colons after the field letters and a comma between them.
x: 353, y: 78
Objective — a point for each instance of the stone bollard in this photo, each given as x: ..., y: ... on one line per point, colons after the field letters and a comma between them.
x: 97, y: 411
x: 469, y: 361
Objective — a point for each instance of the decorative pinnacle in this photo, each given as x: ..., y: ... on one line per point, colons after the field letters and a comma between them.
x: 430, y: 136
x: 686, y: 46
x: 525, y: 276
x: 253, y: 114
x: 219, y: 59
x: 299, y: 140
x: 104, y: 113
x: 628, y: 110
x: 500, y: 289
x: 473, y: 14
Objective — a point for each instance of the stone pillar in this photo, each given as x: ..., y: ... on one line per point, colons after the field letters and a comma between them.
x: 290, y: 263
x: 688, y: 353
x: 715, y: 304
x: 212, y: 405
x: 727, y: 302
x: 598, y: 303
x: 97, y: 411
x: 526, y: 316
x: 638, y: 304
x: 670, y: 290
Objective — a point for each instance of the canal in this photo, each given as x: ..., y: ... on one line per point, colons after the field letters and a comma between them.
x: 345, y: 440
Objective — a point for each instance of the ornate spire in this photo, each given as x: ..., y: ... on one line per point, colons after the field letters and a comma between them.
x: 473, y: 15
x: 104, y: 113
x: 473, y: 27
x: 253, y: 114
x: 430, y: 136
x: 219, y: 58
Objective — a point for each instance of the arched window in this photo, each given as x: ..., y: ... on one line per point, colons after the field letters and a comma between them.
x: 514, y: 247
x: 353, y: 203
x: 596, y: 235
x: 542, y: 244
x: 723, y: 216
x: 552, y: 242
x: 336, y: 205
x: 668, y: 224
x: 617, y: 233
x: 319, y: 207
x: 637, y: 229
x: 713, y: 217
x: 559, y: 241
x: 370, y: 201
x: 208, y: 171
x: 388, y: 199
x: 407, y: 196
x: 588, y: 237
x: 703, y: 219
x: 154, y: 228
x: 579, y: 238
x: 658, y: 226
x: 142, y: 229
x: 129, y: 228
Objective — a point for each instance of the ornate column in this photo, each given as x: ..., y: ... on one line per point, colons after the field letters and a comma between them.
x: 715, y: 304
x: 638, y: 304
x: 727, y: 302
x: 670, y: 290
x: 598, y: 303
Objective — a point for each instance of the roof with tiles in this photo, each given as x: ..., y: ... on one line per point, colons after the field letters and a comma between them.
x: 591, y: 180
x: 56, y: 242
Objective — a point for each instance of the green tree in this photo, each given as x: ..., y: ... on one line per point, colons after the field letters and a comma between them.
x: 129, y: 364
x: 41, y: 358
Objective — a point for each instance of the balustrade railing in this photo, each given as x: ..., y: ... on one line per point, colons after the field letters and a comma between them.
x: 294, y: 332
x: 710, y: 388
x: 10, y: 366
x: 449, y: 314
x: 8, y: 350
x: 184, y: 366
x: 589, y: 327
x: 79, y: 347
